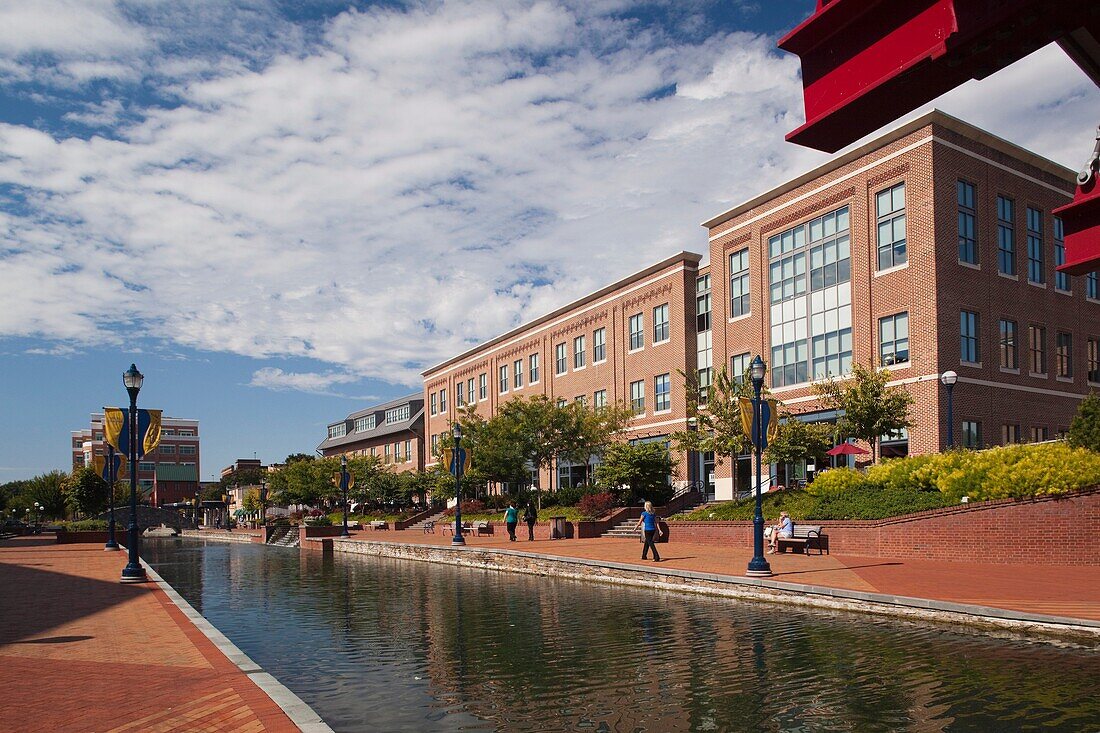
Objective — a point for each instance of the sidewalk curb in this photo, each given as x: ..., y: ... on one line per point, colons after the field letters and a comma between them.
x: 301, y: 714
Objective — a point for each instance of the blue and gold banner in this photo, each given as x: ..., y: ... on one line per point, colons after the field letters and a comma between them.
x: 116, y: 429
x: 770, y: 418
x: 101, y: 465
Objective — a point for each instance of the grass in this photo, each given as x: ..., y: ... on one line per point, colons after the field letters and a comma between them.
x: 868, y: 503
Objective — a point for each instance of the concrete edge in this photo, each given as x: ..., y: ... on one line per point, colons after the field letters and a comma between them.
x: 300, y: 713
x: 789, y: 593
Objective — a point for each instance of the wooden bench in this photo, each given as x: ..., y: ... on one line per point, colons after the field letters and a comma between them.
x: 804, y: 535
x: 379, y: 524
x: 484, y: 528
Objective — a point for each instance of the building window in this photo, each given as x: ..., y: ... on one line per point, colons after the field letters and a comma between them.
x: 386, y: 453
x: 660, y: 323
x: 739, y: 283
x: 599, y: 399
x: 578, y: 352
x: 471, y: 396
x: 185, y: 433
x: 637, y: 397
x: 561, y: 366
x: 1010, y: 434
x: 460, y: 394
x: 662, y: 393
x: 363, y: 424
x: 1063, y: 350
x: 1037, y: 345
x: 146, y: 466
x: 968, y: 236
x: 432, y: 400
x: 972, y: 434
x: 483, y: 386
x: 1092, y: 285
x: 704, y: 361
x: 1093, y: 351
x: 811, y: 316
x: 1038, y: 434
x: 435, y: 445
x: 517, y: 373
x: 1009, y: 358
x: 890, y: 210
x: 187, y: 450
x: 969, y: 343
x: 1062, y: 281
x: 408, y: 451
x: 581, y: 400
x: 1035, y: 272
x: 1006, y: 236
x: 893, y: 339
x: 702, y: 303
x: 704, y: 377
x: 443, y: 400
x: 637, y: 332
x: 739, y: 367
x: 533, y: 368
x: 334, y: 431
x: 502, y: 372
x: 400, y: 414
x: 562, y: 402
x: 599, y: 345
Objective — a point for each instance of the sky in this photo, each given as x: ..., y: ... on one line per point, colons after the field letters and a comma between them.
x: 283, y: 211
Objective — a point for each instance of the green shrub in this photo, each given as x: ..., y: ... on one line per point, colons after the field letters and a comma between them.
x: 321, y: 521
x: 1020, y: 471
x: 572, y: 495
x: 838, y: 480
x: 1084, y: 431
x: 85, y: 525
x: 875, y: 502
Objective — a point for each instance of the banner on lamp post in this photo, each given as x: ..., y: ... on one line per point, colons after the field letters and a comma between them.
x: 769, y: 410
x: 116, y: 429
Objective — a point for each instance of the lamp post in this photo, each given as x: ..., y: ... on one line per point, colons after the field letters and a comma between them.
x: 949, y: 378
x: 693, y: 457
x: 37, y: 513
x: 133, y: 572
x: 758, y: 566
x: 344, y: 490
x: 456, y: 431
x: 112, y: 543
x: 263, y: 500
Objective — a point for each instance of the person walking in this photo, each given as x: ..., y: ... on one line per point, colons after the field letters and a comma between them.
x: 530, y: 516
x: 652, y: 526
x: 510, y: 520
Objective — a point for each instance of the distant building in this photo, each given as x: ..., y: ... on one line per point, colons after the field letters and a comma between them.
x: 393, y: 431
x: 167, y: 475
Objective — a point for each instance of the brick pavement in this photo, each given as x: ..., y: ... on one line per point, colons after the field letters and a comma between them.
x: 1072, y: 590
x: 80, y: 651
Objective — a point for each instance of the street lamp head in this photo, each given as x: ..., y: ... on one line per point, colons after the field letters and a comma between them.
x: 949, y: 378
x: 343, y: 460
x: 132, y: 378
x: 456, y: 431
x: 757, y: 370
x: 693, y: 422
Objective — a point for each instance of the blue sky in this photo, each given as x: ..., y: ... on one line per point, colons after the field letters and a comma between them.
x: 282, y: 211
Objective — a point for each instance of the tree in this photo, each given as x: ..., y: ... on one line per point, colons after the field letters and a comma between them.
x: 300, y: 482
x: 251, y: 500
x: 85, y: 492
x: 245, y: 477
x: 1084, y: 431
x: 633, y: 472
x: 798, y: 440
x: 593, y: 430
x: 871, y: 408
x: 718, y: 415
x: 542, y: 429
x: 46, y: 489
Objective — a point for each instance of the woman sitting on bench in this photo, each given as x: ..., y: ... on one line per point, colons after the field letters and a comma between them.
x: 785, y: 529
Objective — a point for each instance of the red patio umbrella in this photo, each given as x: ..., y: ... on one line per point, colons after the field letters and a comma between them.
x: 847, y: 449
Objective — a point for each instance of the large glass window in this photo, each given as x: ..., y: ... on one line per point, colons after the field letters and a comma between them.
x: 578, y: 352
x: 560, y: 363
x: 1062, y: 281
x: 599, y: 399
x: 399, y: 414
x: 483, y: 386
x: 363, y: 424
x: 739, y: 283
x: 968, y: 235
x: 662, y: 393
x: 599, y: 345
x: 660, y: 323
x: 460, y: 394
x: 637, y: 332
x: 739, y: 367
x: 517, y: 374
x: 533, y: 368
x: 1006, y: 236
x: 1037, y: 345
x: 433, y: 401
x: 1035, y: 267
x: 1063, y: 349
x: 810, y: 294
x: 503, y: 371
x: 702, y: 303
x: 1010, y: 434
x: 471, y: 396
x: 1009, y: 359
x: 1093, y: 361
x: 969, y: 342
x: 443, y: 400
x: 1092, y: 285
x: 334, y: 431
x: 890, y: 211
x: 637, y: 396
x: 972, y: 434
x: 893, y: 339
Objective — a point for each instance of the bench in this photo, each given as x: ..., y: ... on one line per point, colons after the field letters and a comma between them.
x: 804, y: 535
x: 449, y: 528
x: 484, y: 528
x: 429, y: 527
x: 379, y: 524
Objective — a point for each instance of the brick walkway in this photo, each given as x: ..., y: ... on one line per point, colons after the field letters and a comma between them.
x: 1069, y: 591
x: 80, y: 651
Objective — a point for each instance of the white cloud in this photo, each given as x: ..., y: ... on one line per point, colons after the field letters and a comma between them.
x: 312, y: 382
x: 381, y: 195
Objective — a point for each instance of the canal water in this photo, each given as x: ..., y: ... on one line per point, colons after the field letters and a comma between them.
x: 390, y: 645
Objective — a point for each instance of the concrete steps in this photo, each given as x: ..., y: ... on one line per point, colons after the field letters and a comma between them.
x: 285, y: 537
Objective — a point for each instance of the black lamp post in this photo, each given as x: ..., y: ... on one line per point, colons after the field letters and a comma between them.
x: 37, y: 513
x: 457, y: 433
x: 693, y: 457
x: 949, y: 378
x: 758, y: 566
x: 344, y: 490
x: 133, y: 572
x: 263, y: 500
x: 112, y: 543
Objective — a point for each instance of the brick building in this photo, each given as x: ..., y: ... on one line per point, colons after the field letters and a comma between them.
x: 393, y: 431
x: 931, y: 248
x: 172, y: 469
x: 627, y: 342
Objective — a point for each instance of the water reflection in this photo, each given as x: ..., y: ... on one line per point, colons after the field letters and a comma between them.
x: 379, y: 644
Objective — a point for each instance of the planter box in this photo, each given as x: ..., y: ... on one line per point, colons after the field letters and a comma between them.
x: 94, y: 536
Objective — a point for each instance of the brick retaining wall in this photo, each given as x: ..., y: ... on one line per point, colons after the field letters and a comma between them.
x: 1006, y: 531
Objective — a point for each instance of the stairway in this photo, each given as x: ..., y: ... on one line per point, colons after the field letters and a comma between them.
x: 436, y: 518
x: 624, y: 528
x: 285, y: 537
